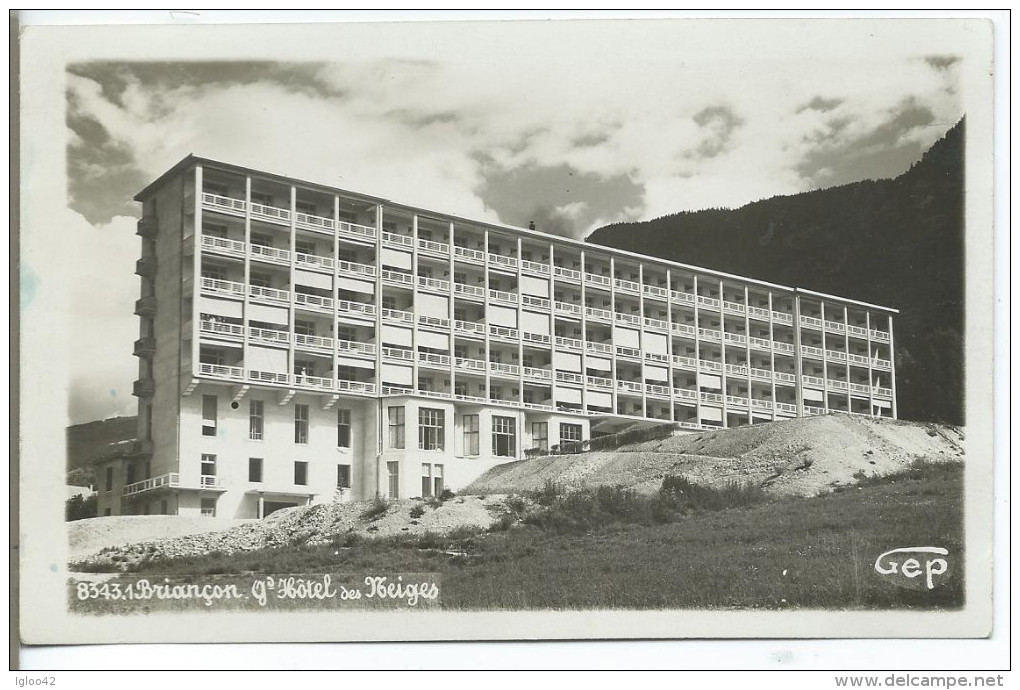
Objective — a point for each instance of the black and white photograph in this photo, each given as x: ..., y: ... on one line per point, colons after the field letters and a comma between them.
x: 644, y: 328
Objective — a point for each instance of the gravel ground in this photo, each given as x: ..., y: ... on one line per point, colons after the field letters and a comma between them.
x: 798, y: 457
x: 89, y: 536
x: 317, y: 524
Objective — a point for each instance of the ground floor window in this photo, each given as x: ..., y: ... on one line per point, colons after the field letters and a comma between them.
x: 255, y: 469
x: 431, y: 428
x: 209, y: 507
x: 431, y: 480
x: 570, y: 433
x: 504, y: 436
x: 540, y: 435
x: 208, y: 465
x: 470, y: 434
x: 343, y: 476
x: 393, y: 479
x: 301, y: 473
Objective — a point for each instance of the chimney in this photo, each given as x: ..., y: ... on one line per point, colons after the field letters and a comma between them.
x: 531, y: 225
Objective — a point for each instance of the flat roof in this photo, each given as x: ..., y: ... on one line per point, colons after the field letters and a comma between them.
x: 191, y: 160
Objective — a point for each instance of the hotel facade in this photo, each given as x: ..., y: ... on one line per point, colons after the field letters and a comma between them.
x: 300, y: 343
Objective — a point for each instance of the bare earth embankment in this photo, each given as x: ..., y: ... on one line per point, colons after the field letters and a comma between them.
x: 800, y: 457
x: 797, y: 457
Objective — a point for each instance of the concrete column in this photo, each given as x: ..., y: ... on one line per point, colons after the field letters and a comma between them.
x: 798, y: 365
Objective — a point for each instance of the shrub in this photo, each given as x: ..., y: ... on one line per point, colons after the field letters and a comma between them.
x: 417, y: 511
x: 446, y: 495
x: 682, y: 495
x: 548, y: 493
x: 503, y: 523
x: 79, y: 508
x: 515, y: 505
x: 378, y: 508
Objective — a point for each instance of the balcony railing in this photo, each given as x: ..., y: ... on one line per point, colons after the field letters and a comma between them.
x: 169, y: 480
x: 504, y: 332
x: 433, y: 247
x: 397, y: 239
x: 268, y: 376
x: 355, y: 308
x: 566, y: 273
x: 472, y: 255
x: 233, y: 330
x: 812, y: 351
x: 222, y: 245
x: 537, y: 302
x: 599, y: 280
x: 500, y: 368
x: 736, y: 401
x: 656, y: 324
x: 688, y: 363
x: 397, y: 353
x: 786, y: 407
x: 657, y: 390
x: 316, y: 223
x: 469, y: 364
x: 811, y: 321
x: 627, y: 285
x: 315, y: 262
x: 534, y: 267
x: 313, y: 341
x: 760, y: 343
x: 356, y: 268
x: 469, y: 327
x: 655, y: 291
x: 266, y: 294
x: 758, y: 313
x: 503, y: 261
x: 598, y: 314
x: 354, y: 386
x: 735, y: 338
x: 537, y: 373
x: 683, y: 329
x: 735, y: 307
x: 782, y: 347
x: 629, y: 386
x: 880, y: 336
x: 432, y: 359
x: 539, y: 338
x: 685, y: 394
x: 221, y: 371
x: 433, y: 284
x: 568, y: 308
x: 599, y: 348
x: 313, y: 301
x: 785, y: 377
x: 397, y: 315
x: 710, y: 365
x: 736, y: 370
x: 569, y: 377
x: 270, y: 254
x: 399, y: 277
x: 469, y: 290
x: 599, y: 382
x: 271, y: 213
x: 711, y: 398
x: 631, y: 319
x: 782, y: 317
x: 859, y: 331
x: 708, y: 334
x: 706, y: 301
x: 502, y: 296
x: 883, y: 392
x: 681, y: 296
x: 837, y: 355
x: 223, y: 203
x: 628, y: 352
x: 433, y: 321
x: 358, y: 231
x: 835, y: 326
x: 356, y: 348
x: 568, y: 343
x: 268, y: 335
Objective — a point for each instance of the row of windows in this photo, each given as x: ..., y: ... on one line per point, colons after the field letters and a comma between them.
x: 256, y: 466
x: 432, y: 432
x: 256, y: 422
x: 431, y: 428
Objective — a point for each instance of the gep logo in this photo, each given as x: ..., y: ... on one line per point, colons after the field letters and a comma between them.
x: 905, y: 566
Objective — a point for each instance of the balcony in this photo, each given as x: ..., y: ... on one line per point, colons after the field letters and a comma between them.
x: 145, y: 347
x: 656, y: 325
x: 268, y: 335
x: 535, y: 302
x: 503, y: 262
x: 224, y: 204
x: 783, y: 347
x: 569, y: 377
x: 598, y: 280
x: 627, y: 286
x: 475, y: 256
x: 314, y: 223
x: 599, y: 348
x: 221, y: 371
x: 433, y: 322
x: 596, y: 314
x: 599, y: 382
x: 266, y: 294
x: 504, y: 333
x: 469, y: 328
x: 147, y: 227
x: 396, y: 240
x: 146, y: 266
x: 397, y: 277
x: 469, y: 364
x: 812, y: 351
x: 708, y: 334
x: 628, y: 352
x: 397, y: 353
x: 537, y: 373
x: 355, y: 232
x: 688, y: 363
x: 273, y: 214
x: 499, y: 368
x: 316, y: 263
x: 758, y: 313
x: 145, y: 306
x: 735, y: 338
x: 811, y: 322
x: 433, y: 360
x: 568, y: 343
x: 683, y: 329
x: 567, y: 274
x: 656, y: 292
x: 706, y: 301
x: 536, y: 338
x: 430, y: 247
x: 227, y: 288
x: 685, y: 394
x: 221, y: 245
x: 313, y: 342
x: 629, y: 319
x: 220, y: 328
x: 782, y: 317
x: 735, y: 308
x: 355, y: 348
x: 880, y: 336
x: 269, y: 254
x: 534, y: 267
x: 313, y: 302
x: 835, y: 327
x: 143, y: 388
x: 629, y: 386
x: 710, y: 365
x: 171, y: 480
x: 502, y: 297
x: 680, y: 296
x: 568, y: 308
x: 359, y: 269
x: 358, y: 309
x: 433, y: 284
x: 469, y: 291
x: 736, y: 401
x: 656, y: 390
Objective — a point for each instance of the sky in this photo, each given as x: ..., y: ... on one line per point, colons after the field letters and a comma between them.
x: 572, y: 129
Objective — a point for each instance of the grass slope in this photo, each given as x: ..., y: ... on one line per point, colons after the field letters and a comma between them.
x: 788, y: 553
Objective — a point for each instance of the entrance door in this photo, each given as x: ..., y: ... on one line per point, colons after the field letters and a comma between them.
x: 393, y: 486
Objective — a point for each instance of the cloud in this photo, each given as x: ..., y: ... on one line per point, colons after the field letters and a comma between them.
x: 821, y: 104
x: 717, y: 124
x: 941, y: 63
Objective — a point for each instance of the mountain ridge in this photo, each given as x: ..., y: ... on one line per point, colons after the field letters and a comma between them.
x: 897, y: 242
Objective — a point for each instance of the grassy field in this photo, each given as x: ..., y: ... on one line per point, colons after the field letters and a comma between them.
x: 781, y: 554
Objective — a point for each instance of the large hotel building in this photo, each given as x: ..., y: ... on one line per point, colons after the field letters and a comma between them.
x: 300, y: 343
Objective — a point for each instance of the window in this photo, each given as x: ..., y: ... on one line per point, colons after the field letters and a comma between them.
x: 301, y: 473
x: 396, y: 417
x: 426, y: 480
x: 348, y: 255
x: 460, y: 388
x: 504, y: 436
x: 393, y: 478
x: 343, y: 476
x: 208, y: 415
x: 109, y: 479
x: 305, y: 207
x: 130, y: 479
x: 470, y: 434
x: 389, y: 302
x: 208, y: 465
x: 208, y: 507
x: 214, y: 230
x: 424, y: 234
x: 304, y: 247
x: 106, y: 513
x: 343, y: 428
x: 570, y: 433
x: 540, y: 435
x: 431, y: 425
x: 260, y: 279
x: 261, y: 239
x: 261, y: 198
x: 346, y: 333
x: 255, y: 469
x: 164, y: 508
x: 214, y: 272
x: 437, y: 480
x: 301, y: 424
x: 303, y: 327
x: 214, y: 188
x: 255, y: 420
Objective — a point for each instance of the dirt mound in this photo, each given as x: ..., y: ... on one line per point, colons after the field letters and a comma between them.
x: 89, y: 536
x: 312, y: 525
x: 801, y: 457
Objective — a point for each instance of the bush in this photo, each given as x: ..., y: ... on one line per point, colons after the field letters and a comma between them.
x: 417, y: 511
x: 79, y: 508
x: 548, y: 494
x: 682, y: 495
x: 378, y: 508
x: 446, y: 495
